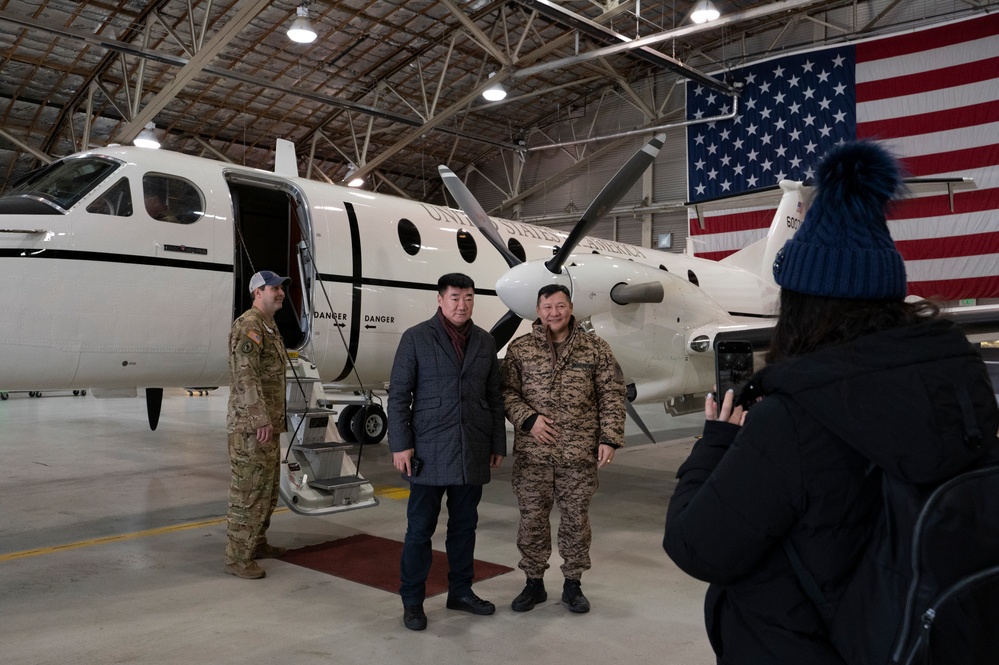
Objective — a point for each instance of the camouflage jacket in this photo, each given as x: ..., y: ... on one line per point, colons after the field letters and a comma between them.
x: 256, y: 374
x: 580, y: 387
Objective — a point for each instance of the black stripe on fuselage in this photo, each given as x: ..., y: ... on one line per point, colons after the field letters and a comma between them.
x: 393, y: 283
x: 108, y: 257
x: 355, y: 292
x: 132, y: 259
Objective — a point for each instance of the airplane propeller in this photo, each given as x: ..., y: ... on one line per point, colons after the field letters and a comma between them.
x: 609, y: 196
x: 524, y: 279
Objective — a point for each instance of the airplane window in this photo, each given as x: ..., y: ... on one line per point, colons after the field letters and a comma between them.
x: 65, y: 182
x: 692, y: 278
x: 466, y: 246
x: 171, y: 199
x: 116, y: 201
x: 409, y: 236
x: 662, y: 267
x: 516, y: 248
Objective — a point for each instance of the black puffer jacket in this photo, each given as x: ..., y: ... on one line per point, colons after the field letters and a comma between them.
x: 800, y: 468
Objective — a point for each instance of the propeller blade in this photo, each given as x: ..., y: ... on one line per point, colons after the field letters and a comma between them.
x: 638, y: 420
x: 471, y: 207
x: 608, y: 197
x: 647, y: 292
x: 505, y: 329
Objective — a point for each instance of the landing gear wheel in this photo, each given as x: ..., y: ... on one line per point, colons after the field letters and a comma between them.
x: 4, y: 396
x: 343, y: 423
x: 369, y: 424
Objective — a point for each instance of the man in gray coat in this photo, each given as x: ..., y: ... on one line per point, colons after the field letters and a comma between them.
x: 446, y: 431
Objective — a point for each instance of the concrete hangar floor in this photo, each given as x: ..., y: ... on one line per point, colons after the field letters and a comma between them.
x: 113, y: 537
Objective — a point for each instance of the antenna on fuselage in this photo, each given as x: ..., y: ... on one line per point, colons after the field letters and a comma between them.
x: 285, y: 162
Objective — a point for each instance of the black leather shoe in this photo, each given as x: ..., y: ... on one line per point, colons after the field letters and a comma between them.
x: 532, y: 594
x: 414, y: 618
x: 470, y: 603
x: 573, y: 598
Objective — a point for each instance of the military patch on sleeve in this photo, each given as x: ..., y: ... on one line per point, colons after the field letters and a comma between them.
x: 246, y: 348
x: 255, y: 336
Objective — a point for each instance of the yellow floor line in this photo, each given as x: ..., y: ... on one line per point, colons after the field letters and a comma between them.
x: 384, y: 492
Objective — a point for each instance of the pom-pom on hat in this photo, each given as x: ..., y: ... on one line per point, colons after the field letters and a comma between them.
x: 843, y: 248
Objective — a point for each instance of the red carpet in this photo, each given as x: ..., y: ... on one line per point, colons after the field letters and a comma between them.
x: 374, y: 562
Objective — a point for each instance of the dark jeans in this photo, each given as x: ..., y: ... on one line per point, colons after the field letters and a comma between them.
x: 417, y: 554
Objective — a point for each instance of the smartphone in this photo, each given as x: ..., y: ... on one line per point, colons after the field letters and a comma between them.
x: 733, y: 367
x: 415, y: 465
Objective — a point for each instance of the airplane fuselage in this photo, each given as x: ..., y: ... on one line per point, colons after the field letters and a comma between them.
x: 101, y: 294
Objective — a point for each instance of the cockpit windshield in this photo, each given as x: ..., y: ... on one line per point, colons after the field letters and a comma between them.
x: 65, y: 182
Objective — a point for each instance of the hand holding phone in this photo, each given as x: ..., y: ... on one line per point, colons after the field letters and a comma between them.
x: 733, y: 367
x: 415, y: 465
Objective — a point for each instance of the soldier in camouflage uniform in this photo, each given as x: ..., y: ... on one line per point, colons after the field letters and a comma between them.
x: 564, y: 393
x: 255, y: 421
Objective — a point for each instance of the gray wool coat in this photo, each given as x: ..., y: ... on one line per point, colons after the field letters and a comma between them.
x: 450, y: 414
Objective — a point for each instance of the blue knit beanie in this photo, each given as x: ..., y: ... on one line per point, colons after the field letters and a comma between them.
x: 843, y: 248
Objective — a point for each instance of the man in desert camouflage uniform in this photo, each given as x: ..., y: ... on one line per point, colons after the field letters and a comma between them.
x: 256, y: 419
x: 564, y: 393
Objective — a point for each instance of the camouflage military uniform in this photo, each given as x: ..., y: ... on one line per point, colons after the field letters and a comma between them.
x: 579, y: 386
x: 256, y: 399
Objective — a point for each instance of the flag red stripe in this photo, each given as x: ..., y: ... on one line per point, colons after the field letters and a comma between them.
x: 739, y: 221
x: 922, y: 40
x: 952, y: 161
x: 975, y: 244
x: 928, y: 81
x: 955, y: 289
x: 939, y: 206
x: 926, y: 123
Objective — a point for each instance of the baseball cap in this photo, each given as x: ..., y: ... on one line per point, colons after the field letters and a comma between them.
x: 267, y: 278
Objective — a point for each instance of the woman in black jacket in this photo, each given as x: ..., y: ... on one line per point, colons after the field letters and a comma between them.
x: 855, y: 375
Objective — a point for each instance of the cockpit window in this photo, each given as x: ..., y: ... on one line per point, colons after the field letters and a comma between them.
x: 116, y: 201
x: 64, y: 183
x: 172, y: 199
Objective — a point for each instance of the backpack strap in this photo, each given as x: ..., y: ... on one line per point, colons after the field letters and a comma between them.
x: 808, y: 583
x: 972, y: 435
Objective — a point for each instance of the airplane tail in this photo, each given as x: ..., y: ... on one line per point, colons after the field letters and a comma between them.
x: 758, y: 258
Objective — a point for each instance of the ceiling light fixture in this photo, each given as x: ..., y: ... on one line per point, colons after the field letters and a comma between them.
x: 350, y: 179
x: 301, y: 30
x: 494, y: 93
x: 703, y: 12
x: 147, y: 137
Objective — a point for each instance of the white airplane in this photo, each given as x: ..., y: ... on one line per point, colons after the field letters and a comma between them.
x: 122, y: 268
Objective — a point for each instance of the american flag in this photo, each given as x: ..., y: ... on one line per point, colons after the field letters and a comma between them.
x: 930, y: 96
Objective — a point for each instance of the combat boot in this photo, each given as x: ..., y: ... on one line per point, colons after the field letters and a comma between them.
x: 248, y: 571
x: 532, y: 594
x: 573, y: 598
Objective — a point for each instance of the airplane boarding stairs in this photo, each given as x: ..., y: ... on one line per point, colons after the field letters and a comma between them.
x: 319, y: 474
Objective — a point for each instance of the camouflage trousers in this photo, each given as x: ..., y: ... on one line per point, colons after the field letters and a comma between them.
x: 540, y: 485
x: 253, y: 494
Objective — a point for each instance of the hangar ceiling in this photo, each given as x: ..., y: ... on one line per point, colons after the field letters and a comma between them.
x: 391, y: 86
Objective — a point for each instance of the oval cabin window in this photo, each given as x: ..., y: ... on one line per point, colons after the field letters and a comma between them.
x: 466, y: 246
x: 516, y: 249
x: 409, y: 236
